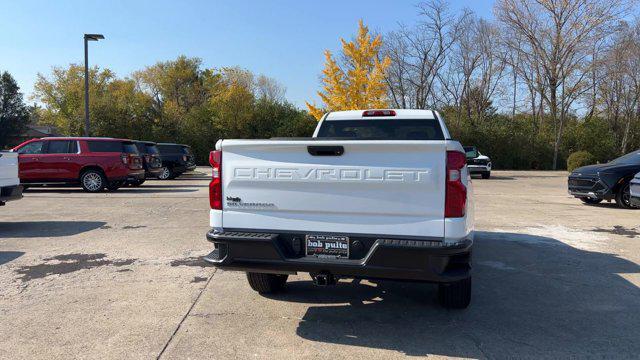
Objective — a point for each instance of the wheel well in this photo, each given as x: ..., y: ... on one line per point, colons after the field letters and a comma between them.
x: 91, y: 167
x: 622, y: 181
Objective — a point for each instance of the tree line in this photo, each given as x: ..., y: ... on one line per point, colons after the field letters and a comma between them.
x: 171, y: 101
x: 545, y: 79
x: 542, y: 80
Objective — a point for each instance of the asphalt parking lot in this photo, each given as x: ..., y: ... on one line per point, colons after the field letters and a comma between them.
x: 119, y: 275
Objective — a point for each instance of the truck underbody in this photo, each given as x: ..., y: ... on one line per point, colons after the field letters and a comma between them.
x: 371, y: 256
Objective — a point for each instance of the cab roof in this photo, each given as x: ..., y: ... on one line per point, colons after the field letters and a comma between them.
x: 399, y: 114
x: 173, y: 144
x: 82, y: 138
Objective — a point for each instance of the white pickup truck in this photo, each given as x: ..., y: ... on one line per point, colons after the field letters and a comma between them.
x: 375, y: 194
x: 10, y: 188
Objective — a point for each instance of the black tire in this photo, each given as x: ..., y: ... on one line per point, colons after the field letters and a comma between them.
x: 266, y: 283
x: 93, y: 180
x: 623, y: 197
x: 136, y: 183
x: 114, y: 185
x: 455, y: 295
x: 486, y: 175
x: 590, y: 201
x: 166, y: 173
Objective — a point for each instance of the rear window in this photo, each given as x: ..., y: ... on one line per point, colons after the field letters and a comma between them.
x: 382, y: 129
x: 152, y: 149
x: 112, y: 146
x: 129, y: 148
x: 168, y: 149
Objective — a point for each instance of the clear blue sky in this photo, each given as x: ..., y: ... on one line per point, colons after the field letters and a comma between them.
x: 281, y: 39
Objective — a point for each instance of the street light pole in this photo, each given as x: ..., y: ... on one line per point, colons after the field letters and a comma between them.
x: 87, y: 38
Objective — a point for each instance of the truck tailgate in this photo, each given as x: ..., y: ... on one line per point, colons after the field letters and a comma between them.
x: 8, y: 168
x: 374, y: 187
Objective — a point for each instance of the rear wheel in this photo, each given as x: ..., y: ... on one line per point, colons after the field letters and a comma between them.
x: 93, y: 180
x: 115, y: 185
x: 136, y: 183
x: 166, y: 173
x: 266, y: 283
x: 590, y: 201
x: 455, y: 295
x: 623, y: 197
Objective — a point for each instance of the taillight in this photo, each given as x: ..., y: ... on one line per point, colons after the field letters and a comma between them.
x: 369, y: 113
x: 456, y: 192
x: 125, y: 158
x: 215, y: 186
x: 133, y: 161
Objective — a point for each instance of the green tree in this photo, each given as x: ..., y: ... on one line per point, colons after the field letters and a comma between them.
x: 171, y: 101
x: 14, y: 115
x: 62, y: 94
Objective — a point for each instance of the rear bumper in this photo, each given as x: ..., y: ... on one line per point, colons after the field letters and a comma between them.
x: 10, y: 193
x: 474, y: 169
x: 153, y: 172
x: 397, y: 259
x: 133, y: 175
x: 183, y: 168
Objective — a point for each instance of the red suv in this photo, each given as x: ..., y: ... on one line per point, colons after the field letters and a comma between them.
x: 94, y: 163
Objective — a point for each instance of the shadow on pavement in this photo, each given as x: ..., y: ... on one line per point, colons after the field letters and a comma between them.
x: 9, y: 256
x: 30, y: 229
x: 499, y: 177
x: 493, y: 177
x: 137, y: 190
x: 533, y: 296
x: 607, y: 205
x: 170, y: 186
x: 144, y: 189
x: 194, y: 177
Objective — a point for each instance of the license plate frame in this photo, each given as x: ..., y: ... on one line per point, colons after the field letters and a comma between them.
x: 327, y: 246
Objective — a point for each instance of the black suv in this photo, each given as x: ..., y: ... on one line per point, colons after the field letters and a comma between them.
x: 151, y: 160
x: 610, y: 181
x: 176, y: 160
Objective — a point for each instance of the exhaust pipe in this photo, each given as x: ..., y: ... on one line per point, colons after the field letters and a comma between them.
x: 324, y: 279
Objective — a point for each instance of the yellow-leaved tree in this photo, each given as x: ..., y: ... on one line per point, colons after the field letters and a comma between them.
x: 358, y: 81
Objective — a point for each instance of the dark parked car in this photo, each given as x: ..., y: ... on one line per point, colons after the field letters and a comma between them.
x: 610, y: 181
x: 176, y: 160
x: 151, y: 160
x: 93, y: 163
x: 477, y: 163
